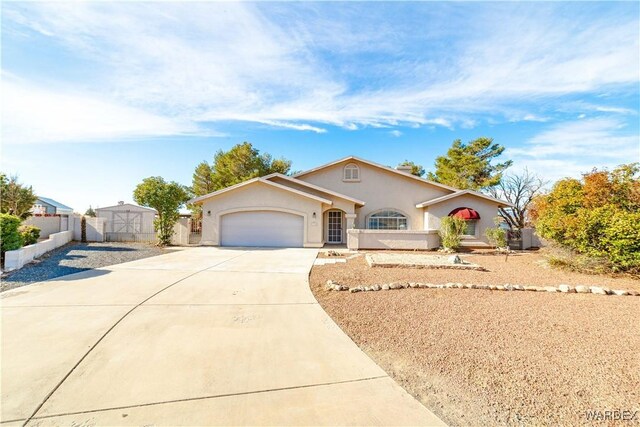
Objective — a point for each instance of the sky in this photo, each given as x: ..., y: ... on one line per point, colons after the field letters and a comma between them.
x: 97, y: 96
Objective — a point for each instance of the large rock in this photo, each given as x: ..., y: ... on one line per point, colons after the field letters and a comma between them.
x: 598, y: 290
x: 620, y: 292
x: 582, y: 289
x: 455, y: 259
x: 566, y: 288
x: 385, y: 287
x: 550, y: 289
x: 376, y: 288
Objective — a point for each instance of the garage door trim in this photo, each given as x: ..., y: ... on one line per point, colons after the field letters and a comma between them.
x: 220, y: 214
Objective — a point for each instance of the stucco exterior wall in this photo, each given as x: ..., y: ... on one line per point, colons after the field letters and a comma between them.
x: 47, y: 224
x: 14, y: 260
x: 487, y: 209
x: 260, y: 196
x: 380, y: 189
x: 392, y: 239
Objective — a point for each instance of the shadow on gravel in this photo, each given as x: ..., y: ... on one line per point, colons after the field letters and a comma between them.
x: 76, y: 257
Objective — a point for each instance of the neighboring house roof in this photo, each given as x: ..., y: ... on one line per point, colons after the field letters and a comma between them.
x: 458, y: 194
x: 376, y: 165
x: 263, y: 181
x: 59, y: 206
x: 127, y: 204
x: 315, y: 187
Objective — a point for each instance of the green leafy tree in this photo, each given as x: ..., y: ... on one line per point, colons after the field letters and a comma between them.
x: 90, y: 212
x: 166, y: 198
x: 202, y: 182
x: 597, y: 216
x: 468, y: 166
x: 15, y: 198
x: 416, y: 169
x: 243, y: 162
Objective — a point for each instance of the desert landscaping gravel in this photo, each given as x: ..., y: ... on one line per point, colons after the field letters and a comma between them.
x: 76, y: 257
x: 478, y: 357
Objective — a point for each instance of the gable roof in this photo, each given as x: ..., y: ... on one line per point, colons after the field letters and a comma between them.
x: 458, y: 194
x: 379, y: 166
x: 128, y: 204
x: 315, y: 187
x: 200, y: 199
x: 54, y: 203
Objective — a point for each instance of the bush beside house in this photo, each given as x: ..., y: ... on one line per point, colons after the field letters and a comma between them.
x: 30, y: 234
x: 597, y: 217
x: 10, y: 237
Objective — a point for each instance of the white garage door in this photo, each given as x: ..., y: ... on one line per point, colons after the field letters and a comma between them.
x: 262, y: 228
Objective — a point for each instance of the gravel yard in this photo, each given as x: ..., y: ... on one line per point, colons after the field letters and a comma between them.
x: 75, y: 257
x: 478, y: 357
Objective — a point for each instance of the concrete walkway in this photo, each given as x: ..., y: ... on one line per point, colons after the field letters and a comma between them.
x: 201, y: 336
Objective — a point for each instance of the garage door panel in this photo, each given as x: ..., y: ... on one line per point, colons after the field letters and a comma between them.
x: 262, y: 228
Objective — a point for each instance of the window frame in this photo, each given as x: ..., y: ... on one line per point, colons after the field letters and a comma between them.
x: 388, y: 219
x: 351, y: 168
x: 475, y: 227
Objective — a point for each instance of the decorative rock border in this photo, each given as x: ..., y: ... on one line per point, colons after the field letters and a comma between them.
x: 580, y: 289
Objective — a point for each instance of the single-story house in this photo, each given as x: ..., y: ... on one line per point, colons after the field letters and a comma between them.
x: 46, y: 207
x: 349, y: 201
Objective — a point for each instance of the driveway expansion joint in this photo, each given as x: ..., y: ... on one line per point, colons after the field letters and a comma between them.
x: 214, y: 396
x: 57, y: 386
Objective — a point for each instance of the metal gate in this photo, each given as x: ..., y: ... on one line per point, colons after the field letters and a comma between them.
x: 195, y: 231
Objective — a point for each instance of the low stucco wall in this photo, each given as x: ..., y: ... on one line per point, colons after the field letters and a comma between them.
x: 392, y: 239
x: 95, y: 229
x: 18, y: 258
x: 47, y: 224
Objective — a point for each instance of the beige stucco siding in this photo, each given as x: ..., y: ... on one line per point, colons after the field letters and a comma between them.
x: 380, y: 189
x: 487, y: 209
x: 260, y: 196
x: 338, y: 202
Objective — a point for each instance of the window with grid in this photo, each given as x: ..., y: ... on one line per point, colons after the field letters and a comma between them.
x: 351, y: 172
x: 387, y: 220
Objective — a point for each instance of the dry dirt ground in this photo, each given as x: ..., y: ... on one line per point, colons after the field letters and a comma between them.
x: 478, y: 357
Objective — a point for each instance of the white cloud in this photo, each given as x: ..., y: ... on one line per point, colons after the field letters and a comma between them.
x: 182, y: 64
x: 572, y: 148
x: 36, y: 115
x: 395, y: 133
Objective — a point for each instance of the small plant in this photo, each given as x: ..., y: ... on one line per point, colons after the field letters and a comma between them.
x: 10, y: 237
x: 451, y: 230
x: 30, y: 234
x: 83, y: 229
x: 497, y: 236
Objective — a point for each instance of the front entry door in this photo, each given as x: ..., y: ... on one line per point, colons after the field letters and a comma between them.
x: 335, y: 227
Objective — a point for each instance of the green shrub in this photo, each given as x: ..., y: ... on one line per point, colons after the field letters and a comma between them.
x: 10, y: 238
x: 30, y: 234
x: 597, y: 217
x: 451, y: 230
x: 497, y: 237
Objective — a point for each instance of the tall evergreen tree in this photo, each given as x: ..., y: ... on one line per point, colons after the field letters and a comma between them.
x: 468, y: 166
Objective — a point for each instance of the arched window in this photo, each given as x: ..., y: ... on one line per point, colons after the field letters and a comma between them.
x: 351, y: 172
x: 470, y: 216
x: 387, y: 220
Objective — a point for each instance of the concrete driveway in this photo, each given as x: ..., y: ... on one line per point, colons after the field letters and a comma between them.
x: 201, y: 336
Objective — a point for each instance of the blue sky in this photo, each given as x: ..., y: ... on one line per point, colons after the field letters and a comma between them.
x: 97, y: 96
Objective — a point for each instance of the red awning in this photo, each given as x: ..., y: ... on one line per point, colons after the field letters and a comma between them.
x: 465, y: 213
